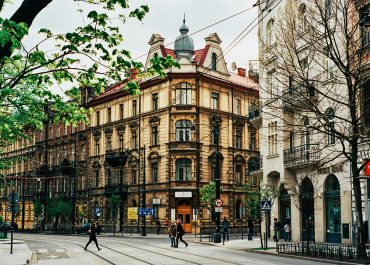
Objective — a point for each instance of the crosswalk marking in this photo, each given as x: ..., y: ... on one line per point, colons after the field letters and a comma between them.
x: 43, y: 250
x: 59, y: 250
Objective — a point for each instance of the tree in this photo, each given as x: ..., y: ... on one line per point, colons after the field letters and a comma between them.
x: 114, y: 203
x: 316, y: 82
x: 37, y: 209
x: 91, y: 56
x: 253, y: 197
x: 59, y: 208
x: 208, y: 196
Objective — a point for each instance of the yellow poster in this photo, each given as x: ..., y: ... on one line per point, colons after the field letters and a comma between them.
x: 132, y: 213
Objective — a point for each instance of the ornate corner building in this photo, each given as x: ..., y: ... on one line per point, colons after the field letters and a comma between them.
x: 158, y: 148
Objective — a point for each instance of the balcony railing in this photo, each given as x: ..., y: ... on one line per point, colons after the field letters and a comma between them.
x: 255, y: 165
x: 300, y: 95
x: 183, y: 145
x: 301, y: 156
x: 116, y: 157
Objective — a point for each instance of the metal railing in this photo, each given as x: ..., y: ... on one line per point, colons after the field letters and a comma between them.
x: 329, y: 251
x: 302, y: 154
x: 254, y: 164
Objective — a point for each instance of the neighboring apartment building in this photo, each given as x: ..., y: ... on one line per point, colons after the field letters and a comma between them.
x: 299, y: 122
x: 162, y: 141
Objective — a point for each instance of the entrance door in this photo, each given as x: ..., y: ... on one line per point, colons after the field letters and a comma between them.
x: 184, y: 213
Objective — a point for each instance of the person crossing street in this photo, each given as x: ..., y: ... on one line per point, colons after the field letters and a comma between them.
x: 93, y: 231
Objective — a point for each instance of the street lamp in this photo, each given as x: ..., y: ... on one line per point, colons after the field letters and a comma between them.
x: 215, y: 133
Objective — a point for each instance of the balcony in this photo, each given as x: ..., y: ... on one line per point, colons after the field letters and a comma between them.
x: 116, y: 157
x: 303, y: 156
x: 300, y: 96
x: 364, y: 151
x: 183, y: 146
x: 254, y: 116
x: 115, y: 188
x: 255, y: 165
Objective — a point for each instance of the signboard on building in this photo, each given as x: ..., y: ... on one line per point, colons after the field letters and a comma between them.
x: 173, y: 214
x: 132, y: 213
x: 156, y: 201
x: 218, y: 209
x: 183, y: 194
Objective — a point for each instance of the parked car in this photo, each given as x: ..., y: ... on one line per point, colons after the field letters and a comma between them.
x: 84, y: 228
x: 9, y: 225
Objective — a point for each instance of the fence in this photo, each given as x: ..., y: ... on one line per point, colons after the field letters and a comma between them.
x: 329, y: 251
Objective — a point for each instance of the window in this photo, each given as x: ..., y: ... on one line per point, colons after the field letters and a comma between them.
x: 329, y: 7
x: 291, y: 141
x: 120, y: 139
x: 155, y: 101
x: 97, y: 146
x: 109, y: 115
x: 134, y: 139
x: 154, y: 172
x: 120, y: 111
x: 96, y: 176
x: 272, y: 138
x: 155, y: 135
x: 306, y: 133
x: 366, y: 104
x: 58, y: 130
x: 238, y: 174
x: 214, y: 61
x: 183, y: 94
x: 97, y: 118
x: 238, y: 109
x: 65, y: 130
x: 214, y: 100
x: 252, y: 139
x: 304, y: 64
x: 108, y: 145
x: 269, y: 33
x: 83, y: 152
x: 183, y: 130
x: 238, y: 138
x: 51, y: 132
x: 133, y: 175
x: 183, y: 169
x: 328, y: 63
x: 302, y: 18
x: 215, y: 135
x: 331, y: 126
x: 213, y: 171
x: 108, y: 177
x: 134, y: 107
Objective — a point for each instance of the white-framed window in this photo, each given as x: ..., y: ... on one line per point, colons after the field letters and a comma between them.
x: 331, y: 125
x: 183, y: 130
x: 183, y: 169
x: 155, y: 135
x: 214, y: 61
x: 215, y: 100
x: 58, y: 130
x: 155, y: 101
x: 270, y: 36
x: 121, y: 111
x: 97, y: 146
x: 238, y: 106
x: 154, y: 172
x: 272, y: 138
x: 183, y: 94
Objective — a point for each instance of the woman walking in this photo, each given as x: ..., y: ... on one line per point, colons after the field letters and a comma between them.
x: 93, y: 231
x: 180, y: 233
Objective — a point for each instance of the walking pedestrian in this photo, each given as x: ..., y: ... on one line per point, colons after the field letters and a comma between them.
x: 93, y: 231
x: 173, y: 233
x: 180, y: 232
x: 158, y: 225
x: 287, y: 231
x: 226, y: 225
x: 277, y: 229
x: 250, y: 228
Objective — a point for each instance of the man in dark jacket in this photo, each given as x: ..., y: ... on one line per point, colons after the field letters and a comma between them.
x: 158, y: 225
x: 225, y: 226
x: 250, y: 229
x: 180, y: 232
x: 93, y: 231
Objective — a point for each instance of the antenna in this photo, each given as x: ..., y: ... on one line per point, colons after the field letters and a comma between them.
x: 233, y: 66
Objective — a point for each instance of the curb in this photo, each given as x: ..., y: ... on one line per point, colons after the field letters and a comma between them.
x: 295, y: 257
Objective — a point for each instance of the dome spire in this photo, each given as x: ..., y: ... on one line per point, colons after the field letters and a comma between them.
x: 184, y: 46
x: 184, y: 19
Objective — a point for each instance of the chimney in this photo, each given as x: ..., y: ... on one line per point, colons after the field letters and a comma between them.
x: 133, y: 73
x: 242, y: 71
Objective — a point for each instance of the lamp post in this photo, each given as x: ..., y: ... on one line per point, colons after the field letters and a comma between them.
x: 215, y: 133
x: 143, y: 228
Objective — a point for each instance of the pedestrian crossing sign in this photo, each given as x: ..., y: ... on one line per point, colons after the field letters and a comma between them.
x: 266, y: 205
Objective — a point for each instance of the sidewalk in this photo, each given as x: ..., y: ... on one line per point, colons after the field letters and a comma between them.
x: 21, y: 252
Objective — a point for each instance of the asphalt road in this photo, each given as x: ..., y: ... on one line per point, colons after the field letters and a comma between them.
x: 55, y: 250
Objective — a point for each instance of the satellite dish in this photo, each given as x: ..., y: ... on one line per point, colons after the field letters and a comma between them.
x: 233, y: 66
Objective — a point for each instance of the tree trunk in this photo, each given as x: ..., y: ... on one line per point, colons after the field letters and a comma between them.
x: 360, y: 238
x: 26, y: 13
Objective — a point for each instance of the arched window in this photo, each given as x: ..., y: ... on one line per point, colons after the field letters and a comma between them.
x: 183, y: 130
x: 333, y: 210
x: 183, y: 94
x: 183, y: 169
x: 331, y: 127
x: 269, y: 33
x: 214, y: 61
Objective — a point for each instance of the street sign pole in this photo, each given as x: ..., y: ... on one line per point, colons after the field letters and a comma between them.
x: 11, y: 224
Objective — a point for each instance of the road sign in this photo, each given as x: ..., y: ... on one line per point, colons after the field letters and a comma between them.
x: 266, y: 205
x: 149, y: 211
x: 218, y: 202
x: 132, y: 213
x: 218, y: 209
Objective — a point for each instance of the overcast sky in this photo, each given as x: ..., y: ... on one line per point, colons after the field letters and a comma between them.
x: 165, y: 17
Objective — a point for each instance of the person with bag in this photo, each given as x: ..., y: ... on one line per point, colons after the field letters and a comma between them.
x: 180, y: 232
x: 173, y: 233
x: 93, y: 231
x: 158, y: 225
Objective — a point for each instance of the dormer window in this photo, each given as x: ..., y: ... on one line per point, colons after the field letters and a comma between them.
x: 214, y: 61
